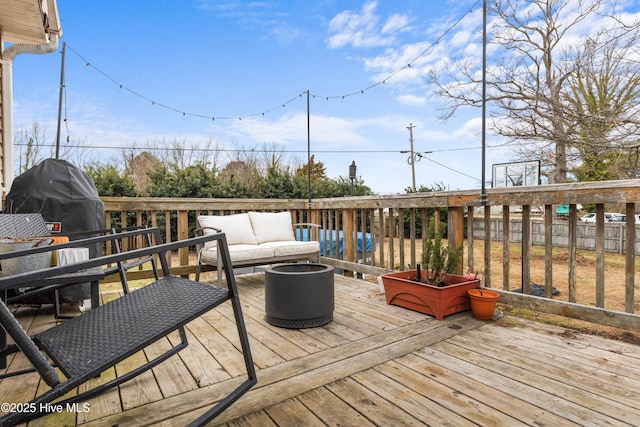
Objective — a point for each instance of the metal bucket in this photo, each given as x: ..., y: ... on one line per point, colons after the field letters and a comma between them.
x: 24, y: 263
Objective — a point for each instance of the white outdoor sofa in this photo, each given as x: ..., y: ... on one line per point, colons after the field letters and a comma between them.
x: 255, y: 238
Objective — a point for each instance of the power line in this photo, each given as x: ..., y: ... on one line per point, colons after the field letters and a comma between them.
x: 451, y: 169
x: 248, y: 150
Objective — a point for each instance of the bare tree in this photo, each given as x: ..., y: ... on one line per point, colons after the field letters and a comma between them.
x: 242, y: 167
x: 603, y: 96
x: 28, y: 146
x: 273, y: 157
x: 138, y: 168
x: 31, y: 147
x: 539, y: 47
x: 209, y: 155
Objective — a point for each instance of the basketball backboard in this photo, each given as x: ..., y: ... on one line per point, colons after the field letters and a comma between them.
x: 516, y: 174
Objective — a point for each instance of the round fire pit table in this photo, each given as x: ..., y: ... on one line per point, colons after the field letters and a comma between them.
x: 299, y: 295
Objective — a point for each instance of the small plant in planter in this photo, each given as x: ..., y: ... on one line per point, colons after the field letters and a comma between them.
x: 438, y: 260
x: 433, y: 290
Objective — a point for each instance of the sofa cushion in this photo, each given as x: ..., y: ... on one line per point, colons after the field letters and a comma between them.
x: 236, y: 227
x: 239, y: 253
x: 292, y: 248
x: 272, y: 227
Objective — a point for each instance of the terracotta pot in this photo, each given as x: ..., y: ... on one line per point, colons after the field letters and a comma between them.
x: 402, y: 290
x: 483, y: 303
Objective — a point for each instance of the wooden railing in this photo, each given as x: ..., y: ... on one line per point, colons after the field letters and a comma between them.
x: 379, y: 233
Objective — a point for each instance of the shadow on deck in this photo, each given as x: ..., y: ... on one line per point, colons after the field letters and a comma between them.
x: 375, y: 364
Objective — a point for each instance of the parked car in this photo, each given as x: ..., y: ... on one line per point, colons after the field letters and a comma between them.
x: 618, y: 218
x: 623, y: 218
x: 591, y: 217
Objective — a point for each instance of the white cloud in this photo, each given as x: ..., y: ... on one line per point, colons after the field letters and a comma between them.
x: 462, y: 38
x: 292, y: 129
x: 396, y: 23
x: 235, y: 7
x: 412, y: 100
x: 284, y: 33
x: 362, y: 28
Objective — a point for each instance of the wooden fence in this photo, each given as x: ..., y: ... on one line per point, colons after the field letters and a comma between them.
x: 373, y: 234
x: 615, y: 233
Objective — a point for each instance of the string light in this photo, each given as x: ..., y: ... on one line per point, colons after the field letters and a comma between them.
x: 284, y: 105
x: 300, y: 95
x: 184, y: 113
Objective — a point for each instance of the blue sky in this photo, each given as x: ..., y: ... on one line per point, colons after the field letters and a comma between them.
x: 229, y: 61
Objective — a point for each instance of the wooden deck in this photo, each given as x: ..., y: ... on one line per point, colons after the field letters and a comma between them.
x: 373, y: 365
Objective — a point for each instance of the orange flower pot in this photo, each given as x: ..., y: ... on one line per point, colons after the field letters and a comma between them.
x: 483, y: 303
x: 402, y: 290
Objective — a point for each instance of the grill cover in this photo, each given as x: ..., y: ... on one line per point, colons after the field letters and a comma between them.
x: 66, y: 198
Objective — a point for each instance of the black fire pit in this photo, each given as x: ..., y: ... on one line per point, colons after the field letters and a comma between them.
x: 299, y: 295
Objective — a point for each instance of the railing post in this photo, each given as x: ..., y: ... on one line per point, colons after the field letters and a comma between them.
x: 347, y: 237
x: 183, y: 233
x: 526, y: 249
x: 548, y: 251
x: 425, y: 228
x: 412, y: 235
x: 572, y: 250
x: 381, y: 233
x: 630, y: 260
x: 314, y: 219
x: 600, y: 258
x: 107, y: 223
x: 470, y: 238
x: 392, y: 256
x: 506, y: 246
x: 487, y: 246
x: 401, y: 212
x: 123, y: 224
x: 455, y: 232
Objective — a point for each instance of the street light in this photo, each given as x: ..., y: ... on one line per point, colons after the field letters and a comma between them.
x: 352, y: 174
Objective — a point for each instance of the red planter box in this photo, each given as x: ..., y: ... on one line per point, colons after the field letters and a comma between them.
x: 436, y: 301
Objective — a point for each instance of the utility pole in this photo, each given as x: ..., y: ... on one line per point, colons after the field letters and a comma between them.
x: 411, y: 157
x: 64, y: 47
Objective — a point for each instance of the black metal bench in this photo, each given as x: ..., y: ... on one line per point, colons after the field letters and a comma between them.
x: 115, y: 237
x: 87, y: 345
x: 32, y: 225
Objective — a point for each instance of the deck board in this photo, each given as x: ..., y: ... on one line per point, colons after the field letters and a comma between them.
x: 451, y: 390
x: 292, y: 412
x: 371, y: 405
x: 555, y: 399
x: 331, y: 409
x: 375, y: 364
